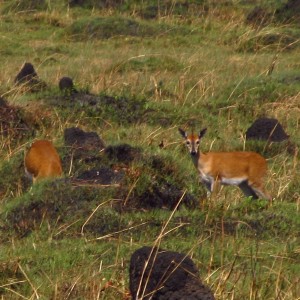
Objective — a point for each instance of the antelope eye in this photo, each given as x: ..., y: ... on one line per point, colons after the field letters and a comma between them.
x: 198, y: 142
x: 188, y: 142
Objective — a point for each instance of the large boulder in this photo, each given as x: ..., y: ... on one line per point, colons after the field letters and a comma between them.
x: 268, y: 129
x: 165, y: 275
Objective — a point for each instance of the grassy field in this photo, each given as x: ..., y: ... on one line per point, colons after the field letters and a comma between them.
x: 164, y: 65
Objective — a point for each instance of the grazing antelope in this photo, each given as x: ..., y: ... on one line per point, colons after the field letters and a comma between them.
x: 42, y: 161
x: 244, y: 169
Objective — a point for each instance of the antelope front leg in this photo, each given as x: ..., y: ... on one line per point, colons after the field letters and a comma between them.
x: 212, y: 187
x: 209, y: 187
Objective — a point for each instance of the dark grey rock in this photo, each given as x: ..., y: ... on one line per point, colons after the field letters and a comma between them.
x: 266, y: 129
x: 165, y: 275
x: 66, y: 85
x: 29, y: 78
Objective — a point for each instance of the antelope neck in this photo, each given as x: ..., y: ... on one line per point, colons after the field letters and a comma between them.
x: 195, y: 158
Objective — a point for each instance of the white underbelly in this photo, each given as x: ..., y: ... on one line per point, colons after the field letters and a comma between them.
x: 232, y: 181
x: 222, y: 180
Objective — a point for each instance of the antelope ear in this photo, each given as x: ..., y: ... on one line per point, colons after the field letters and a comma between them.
x: 202, y: 132
x: 182, y: 132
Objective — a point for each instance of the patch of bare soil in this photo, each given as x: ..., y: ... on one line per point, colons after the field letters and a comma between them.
x: 258, y: 17
x: 12, y: 123
x: 122, y: 110
x: 101, y: 176
x: 289, y: 11
x: 98, y: 3
x: 161, y: 195
x: 123, y: 153
x: 82, y: 143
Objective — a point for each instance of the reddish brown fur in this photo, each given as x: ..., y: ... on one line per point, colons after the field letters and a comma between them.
x: 244, y: 169
x: 42, y: 161
x: 248, y: 165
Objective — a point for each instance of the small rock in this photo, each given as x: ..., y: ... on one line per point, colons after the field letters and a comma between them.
x: 29, y: 78
x: 66, y: 86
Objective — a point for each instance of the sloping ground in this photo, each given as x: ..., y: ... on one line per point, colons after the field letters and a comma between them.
x: 12, y: 125
x: 128, y: 182
x: 108, y: 27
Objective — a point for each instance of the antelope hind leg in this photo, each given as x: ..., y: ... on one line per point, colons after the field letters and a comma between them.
x: 248, y: 190
x: 262, y: 194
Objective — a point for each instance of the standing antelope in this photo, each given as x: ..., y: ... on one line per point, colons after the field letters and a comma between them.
x: 244, y: 169
x: 42, y: 161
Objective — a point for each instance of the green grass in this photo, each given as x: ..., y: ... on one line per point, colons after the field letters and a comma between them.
x: 161, y: 67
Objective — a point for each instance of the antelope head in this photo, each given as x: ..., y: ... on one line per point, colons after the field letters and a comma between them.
x: 192, y: 140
